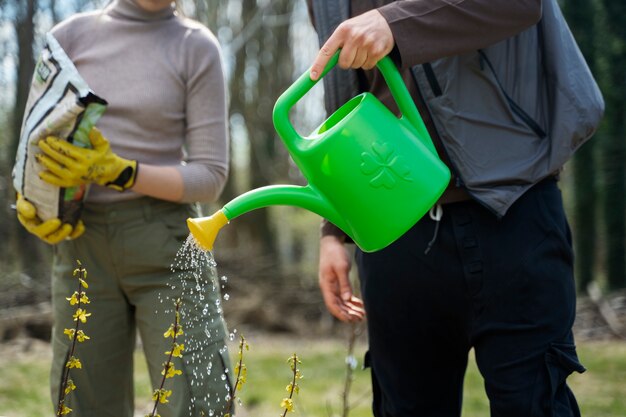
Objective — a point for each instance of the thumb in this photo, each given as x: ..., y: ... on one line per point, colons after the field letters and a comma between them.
x: 25, y: 208
x: 97, y: 140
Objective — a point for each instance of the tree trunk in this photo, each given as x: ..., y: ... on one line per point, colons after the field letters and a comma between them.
x: 614, y: 152
x: 34, y: 259
x: 262, y: 71
x: 580, y: 16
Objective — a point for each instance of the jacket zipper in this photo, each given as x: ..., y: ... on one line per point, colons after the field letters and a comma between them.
x: 458, y: 181
x: 432, y: 79
x: 515, y: 108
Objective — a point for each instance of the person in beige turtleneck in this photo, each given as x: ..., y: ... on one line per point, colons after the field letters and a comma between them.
x: 166, y: 124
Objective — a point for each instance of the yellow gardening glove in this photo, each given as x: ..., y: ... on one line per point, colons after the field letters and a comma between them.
x: 51, y: 231
x: 69, y: 165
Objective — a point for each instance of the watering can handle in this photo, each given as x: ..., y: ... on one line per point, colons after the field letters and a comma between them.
x: 304, y: 84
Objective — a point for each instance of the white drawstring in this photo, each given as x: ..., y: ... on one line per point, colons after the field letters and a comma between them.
x: 435, y: 213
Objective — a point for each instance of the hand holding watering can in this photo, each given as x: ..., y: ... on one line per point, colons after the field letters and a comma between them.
x: 370, y: 173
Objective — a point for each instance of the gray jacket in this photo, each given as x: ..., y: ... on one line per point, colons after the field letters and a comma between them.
x: 508, y: 115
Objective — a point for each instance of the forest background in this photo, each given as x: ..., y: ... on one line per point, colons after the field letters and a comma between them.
x: 272, y: 253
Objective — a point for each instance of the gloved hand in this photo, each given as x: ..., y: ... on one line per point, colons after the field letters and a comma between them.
x: 51, y: 231
x: 69, y: 165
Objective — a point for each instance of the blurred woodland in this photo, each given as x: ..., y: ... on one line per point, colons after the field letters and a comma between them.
x: 272, y: 253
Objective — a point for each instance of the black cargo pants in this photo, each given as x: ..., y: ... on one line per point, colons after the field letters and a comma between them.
x: 502, y: 286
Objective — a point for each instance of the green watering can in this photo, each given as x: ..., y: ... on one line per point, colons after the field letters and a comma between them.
x: 370, y: 173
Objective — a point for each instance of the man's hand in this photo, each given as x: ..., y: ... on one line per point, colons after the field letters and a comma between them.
x: 363, y: 40
x: 51, y: 231
x: 334, y: 268
x: 69, y: 165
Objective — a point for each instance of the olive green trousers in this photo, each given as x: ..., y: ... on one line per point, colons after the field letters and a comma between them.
x: 129, y: 251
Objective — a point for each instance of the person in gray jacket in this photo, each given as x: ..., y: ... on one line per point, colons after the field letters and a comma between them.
x: 507, y: 99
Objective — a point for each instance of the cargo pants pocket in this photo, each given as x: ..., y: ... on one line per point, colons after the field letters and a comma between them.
x: 553, y: 398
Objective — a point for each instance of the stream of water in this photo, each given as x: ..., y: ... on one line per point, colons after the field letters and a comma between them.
x: 197, y: 284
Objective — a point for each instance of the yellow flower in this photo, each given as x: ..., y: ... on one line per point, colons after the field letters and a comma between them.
x: 244, y: 371
x: 70, y: 387
x: 73, y: 299
x: 74, y: 362
x: 83, y: 298
x: 81, y: 336
x: 165, y: 393
x: 293, y: 362
x: 287, y: 404
x: 170, y: 332
x: 81, y: 315
x: 161, y: 395
x: 170, y: 371
x: 69, y: 333
x: 65, y: 410
x: 177, y: 352
x: 292, y: 388
x: 83, y: 282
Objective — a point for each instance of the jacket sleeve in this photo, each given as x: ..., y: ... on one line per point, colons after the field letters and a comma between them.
x: 426, y: 30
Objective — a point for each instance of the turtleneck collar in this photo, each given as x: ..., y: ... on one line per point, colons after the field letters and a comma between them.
x: 128, y: 9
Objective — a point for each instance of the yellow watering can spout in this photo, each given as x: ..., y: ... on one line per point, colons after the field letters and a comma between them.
x: 205, y: 229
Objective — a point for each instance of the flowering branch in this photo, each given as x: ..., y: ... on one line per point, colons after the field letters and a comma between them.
x: 160, y: 395
x: 242, y: 373
x: 351, y: 364
x: 79, y: 298
x: 287, y: 403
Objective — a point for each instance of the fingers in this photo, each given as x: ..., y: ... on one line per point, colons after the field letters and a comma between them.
x: 25, y: 208
x: 58, y: 235
x: 326, y: 52
x: 51, y: 231
x: 61, y: 161
x: 63, y: 182
x: 334, y: 270
x: 345, y: 310
x: 61, y: 151
x: 56, y: 173
x: 38, y: 228
x: 79, y: 229
x: 363, y: 40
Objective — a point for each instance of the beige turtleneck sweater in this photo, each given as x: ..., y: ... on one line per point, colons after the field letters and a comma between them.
x: 163, y: 79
